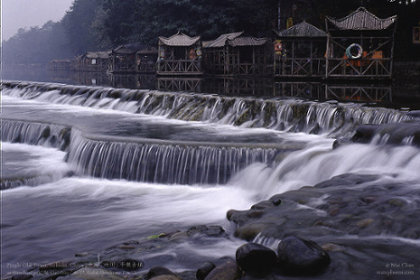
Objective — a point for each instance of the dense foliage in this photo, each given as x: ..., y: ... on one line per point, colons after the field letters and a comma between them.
x: 102, y: 24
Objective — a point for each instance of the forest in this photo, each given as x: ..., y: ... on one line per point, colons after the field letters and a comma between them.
x: 92, y: 25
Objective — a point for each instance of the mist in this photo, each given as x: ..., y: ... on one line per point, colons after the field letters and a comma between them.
x: 28, y: 13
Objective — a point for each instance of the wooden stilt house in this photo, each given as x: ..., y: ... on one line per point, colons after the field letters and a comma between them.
x: 300, y: 52
x: 133, y: 58
x: 233, y: 54
x: 93, y: 62
x: 179, y: 55
x: 360, y: 46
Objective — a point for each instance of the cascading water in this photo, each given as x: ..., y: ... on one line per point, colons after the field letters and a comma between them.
x: 137, y: 163
x: 285, y: 115
x: 167, y: 163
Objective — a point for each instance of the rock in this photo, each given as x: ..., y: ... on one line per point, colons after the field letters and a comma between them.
x: 297, y: 256
x: 364, y: 133
x: 126, y: 264
x: 249, y: 231
x: 81, y: 254
x: 331, y: 247
x: 89, y: 273
x: 225, y: 271
x: 364, y: 223
x: 158, y: 271
x: 256, y: 259
x: 212, y: 231
x: 204, y: 270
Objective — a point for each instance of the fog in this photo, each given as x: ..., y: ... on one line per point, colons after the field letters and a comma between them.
x: 27, y: 13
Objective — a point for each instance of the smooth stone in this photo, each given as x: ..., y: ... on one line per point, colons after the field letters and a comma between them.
x: 204, y: 270
x: 158, y: 271
x: 256, y: 259
x: 297, y: 256
x: 229, y: 270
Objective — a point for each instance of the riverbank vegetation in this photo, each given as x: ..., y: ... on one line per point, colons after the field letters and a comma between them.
x: 92, y: 25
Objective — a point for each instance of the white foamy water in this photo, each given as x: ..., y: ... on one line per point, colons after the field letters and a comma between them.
x: 26, y: 164
x: 319, y: 162
x: 80, y: 214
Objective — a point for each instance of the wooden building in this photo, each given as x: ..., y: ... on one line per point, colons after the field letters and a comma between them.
x: 234, y: 54
x: 93, y: 62
x: 133, y: 58
x: 179, y: 55
x: 300, y: 52
x: 360, y: 46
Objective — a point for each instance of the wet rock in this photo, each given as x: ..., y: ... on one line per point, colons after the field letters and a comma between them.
x: 125, y: 264
x: 297, y: 256
x: 364, y: 223
x: 364, y: 133
x: 331, y: 247
x: 204, y: 270
x: 228, y: 270
x: 340, y: 142
x: 158, y: 271
x: 276, y: 200
x: 212, y: 231
x: 250, y: 231
x: 255, y: 259
x: 262, y: 205
x: 81, y: 254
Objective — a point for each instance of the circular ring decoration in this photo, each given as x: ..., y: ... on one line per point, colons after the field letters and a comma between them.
x: 352, y: 49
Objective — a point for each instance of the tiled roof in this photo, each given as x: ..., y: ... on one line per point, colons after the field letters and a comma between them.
x: 221, y: 40
x: 302, y: 29
x: 362, y: 19
x: 179, y: 40
x: 247, y: 41
x: 133, y: 48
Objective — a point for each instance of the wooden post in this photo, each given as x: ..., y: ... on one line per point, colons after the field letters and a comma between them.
x: 253, y: 60
x: 327, y: 52
x: 392, y: 50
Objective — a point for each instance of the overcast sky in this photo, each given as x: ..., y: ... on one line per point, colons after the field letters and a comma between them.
x: 27, y: 13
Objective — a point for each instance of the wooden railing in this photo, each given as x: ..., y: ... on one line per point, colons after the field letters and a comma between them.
x: 300, y: 67
x: 179, y: 67
x: 245, y: 69
x: 342, y: 67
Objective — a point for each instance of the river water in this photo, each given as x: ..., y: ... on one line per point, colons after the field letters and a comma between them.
x: 85, y: 168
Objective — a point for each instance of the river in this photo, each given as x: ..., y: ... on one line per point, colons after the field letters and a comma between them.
x: 87, y: 167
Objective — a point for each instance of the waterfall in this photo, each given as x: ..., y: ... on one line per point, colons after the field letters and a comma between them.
x: 333, y: 119
x: 32, y: 133
x: 162, y: 163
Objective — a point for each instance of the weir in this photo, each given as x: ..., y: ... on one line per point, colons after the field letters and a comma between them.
x: 290, y: 115
x: 146, y: 160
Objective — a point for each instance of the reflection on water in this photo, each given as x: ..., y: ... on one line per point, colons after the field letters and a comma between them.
x: 383, y: 95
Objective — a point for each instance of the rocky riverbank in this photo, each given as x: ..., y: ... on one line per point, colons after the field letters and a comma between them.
x: 358, y: 226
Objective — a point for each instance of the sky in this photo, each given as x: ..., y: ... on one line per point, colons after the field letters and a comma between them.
x: 17, y: 14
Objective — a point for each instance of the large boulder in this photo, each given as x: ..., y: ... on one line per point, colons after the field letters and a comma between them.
x: 204, y: 270
x: 297, y: 256
x: 228, y: 270
x: 256, y: 259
